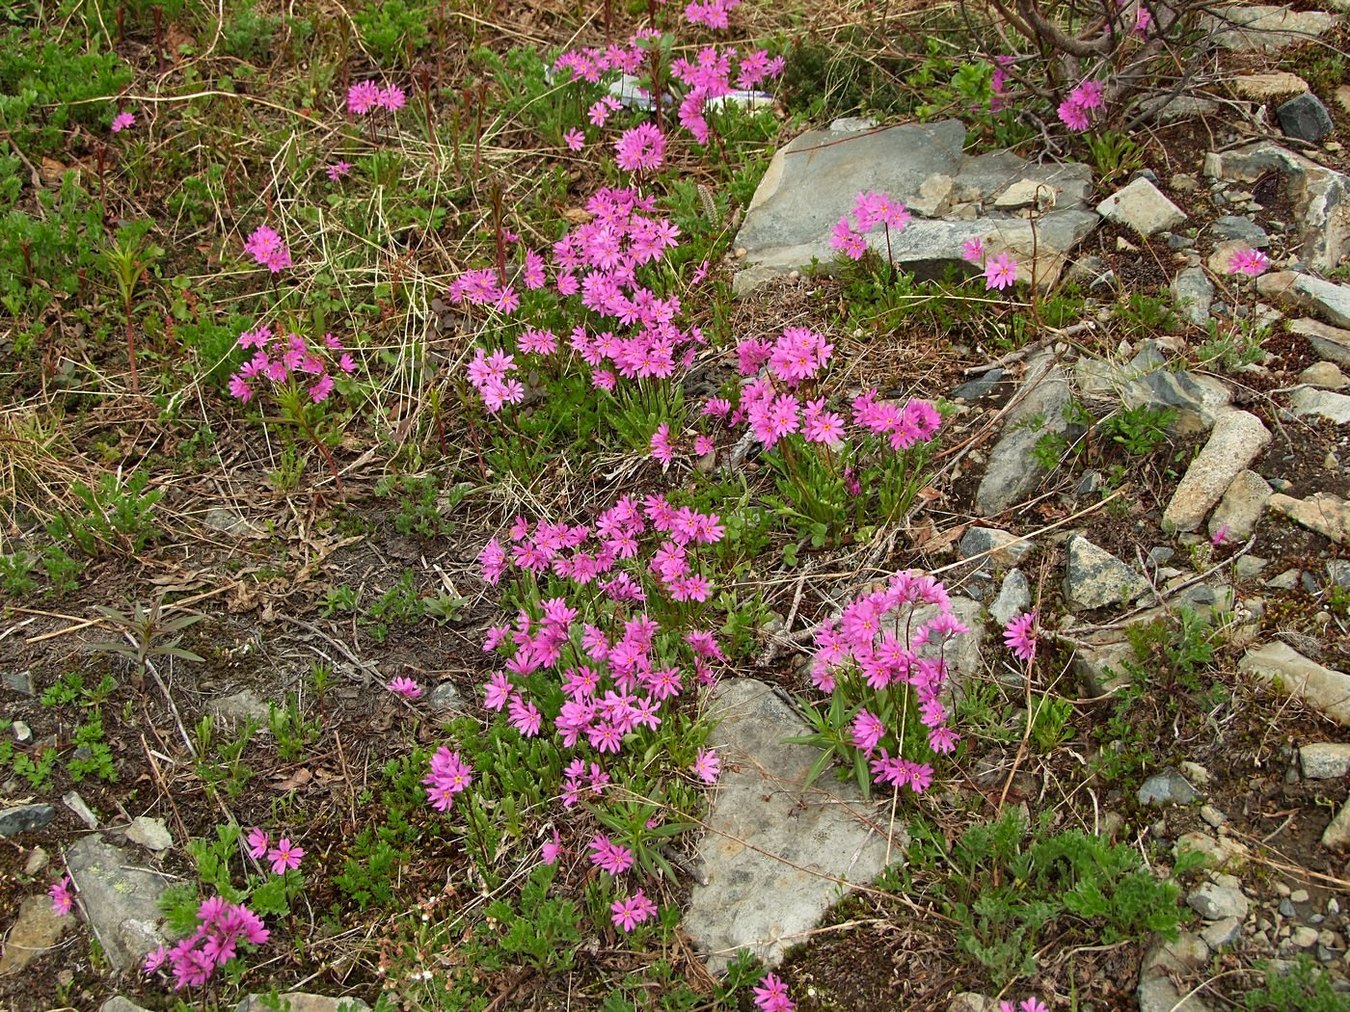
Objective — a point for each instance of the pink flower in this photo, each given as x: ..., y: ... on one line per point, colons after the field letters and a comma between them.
x: 405, y: 687
x: 771, y: 995
x: 1027, y: 1005
x: 524, y: 716
x: 1020, y: 636
x: 640, y: 149
x: 267, y: 249
x: 338, y: 170
x: 1000, y: 272
x: 661, y: 447
x: 122, y: 121
x: 636, y: 909
x: 868, y: 731
x: 1248, y: 261
x: 972, y: 250
x: 574, y: 139
x: 391, y: 98
x: 62, y: 900
x: 320, y: 390
x: 284, y: 856
x: 1220, y: 536
x: 1073, y: 115
x: 258, y: 843
x: 707, y: 765
x: 552, y: 849
x: 363, y: 97
x: 610, y: 856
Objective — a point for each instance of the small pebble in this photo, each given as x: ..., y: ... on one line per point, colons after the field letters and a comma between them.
x: 1287, y: 908
x: 1299, y: 896
x: 23, y: 734
x: 37, y: 860
x: 1333, y: 906
x: 1304, y: 937
x: 1212, y: 816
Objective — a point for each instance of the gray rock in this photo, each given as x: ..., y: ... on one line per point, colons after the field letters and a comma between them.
x: 969, y: 1001
x: 1212, y: 816
x: 1014, y: 597
x: 962, y: 654
x: 1303, y: 936
x: 1339, y: 572
x: 1158, y: 994
x: 1325, y: 760
x: 992, y: 545
x: 979, y: 387
x: 1304, y: 117
x: 36, y: 930
x: 775, y: 856
x: 1094, y: 578
x: 445, y: 697
x: 1260, y: 28
x: 1187, y: 952
x: 19, y: 681
x: 1331, y: 344
x: 1287, y: 580
x: 1166, y: 788
x: 1241, y: 507
x: 1325, y: 376
x: 299, y: 1001
x: 149, y: 833
x: 76, y: 804
x: 1222, y: 851
x: 1224, y: 931
x: 1214, y: 902
x: 1319, y: 196
x: 1231, y: 226
x: 812, y: 181
x: 1142, y: 207
x: 119, y: 1004
x: 1321, y: 512
x: 1101, y: 669
x: 25, y: 819
x: 1322, y: 403
x: 240, y: 707
x: 1193, y: 293
x: 1197, y: 400
x: 1324, y: 689
x: 1303, y: 291
x: 120, y: 899
x: 1238, y: 438
x: 1013, y: 469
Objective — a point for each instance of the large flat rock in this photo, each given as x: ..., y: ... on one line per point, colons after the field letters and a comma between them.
x: 120, y: 898
x: 1324, y: 689
x: 1014, y: 469
x: 776, y: 856
x: 1238, y: 438
x: 813, y: 180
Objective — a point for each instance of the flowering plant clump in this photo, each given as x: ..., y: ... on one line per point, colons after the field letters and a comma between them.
x: 268, y: 249
x: 1000, y: 270
x: 365, y: 97
x: 123, y: 121
x: 1076, y: 111
x: 223, y: 927
x: 883, y: 663
x: 869, y: 211
x: 771, y: 995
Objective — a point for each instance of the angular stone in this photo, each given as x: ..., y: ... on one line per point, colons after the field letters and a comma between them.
x: 1094, y: 578
x: 1325, y: 760
x: 25, y: 819
x: 1303, y: 291
x: 1324, y: 689
x: 1222, y: 851
x: 775, y: 855
x: 1224, y: 931
x: 1013, y: 469
x: 1014, y: 597
x: 1214, y: 902
x: 119, y: 897
x: 240, y: 707
x: 119, y: 1004
x: 445, y: 696
x: 1304, y: 117
x: 299, y: 1001
x: 1158, y: 994
x: 1325, y: 376
x: 1241, y: 507
x: 989, y: 543
x: 1319, y: 195
x: 1193, y: 293
x: 1025, y: 193
x: 1260, y: 87
x: 1307, y: 401
x: 934, y: 197
x: 1232, y: 226
x: 1101, y: 669
x: 1166, y: 788
x: 1220, y: 261
x: 1238, y: 438
x: 1197, y: 400
x: 149, y: 833
x: 37, y: 929
x: 1262, y: 28
x: 1141, y: 206
x: 18, y: 681
x: 982, y: 386
x: 812, y: 181
x: 1337, y: 834
x: 1322, y: 512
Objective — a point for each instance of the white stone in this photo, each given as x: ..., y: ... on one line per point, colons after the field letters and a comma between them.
x: 1326, y: 404
x: 1141, y: 206
x: 1238, y: 438
x: 1325, y: 760
x: 149, y: 833
x: 1260, y: 87
x: 1303, y: 291
x: 1241, y: 506
x: 1324, y: 689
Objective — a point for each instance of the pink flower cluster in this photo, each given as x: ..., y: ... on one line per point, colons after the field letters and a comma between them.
x: 1026, y: 1005
x: 449, y: 775
x: 771, y: 995
x: 405, y: 687
x: 592, y: 64
x: 1019, y: 635
x: 998, y: 82
x: 641, y: 149
x: 284, y: 857
x: 62, y: 900
x: 281, y: 358
x: 122, y: 121
x: 1000, y: 270
x: 629, y: 913
x: 597, y: 260
x: 1074, y: 111
x: 1248, y: 261
x: 712, y: 13
x: 613, y: 684
x: 708, y: 78
x: 223, y: 926
x: 267, y: 249
x: 876, y: 644
x: 366, y: 96
x: 869, y: 211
